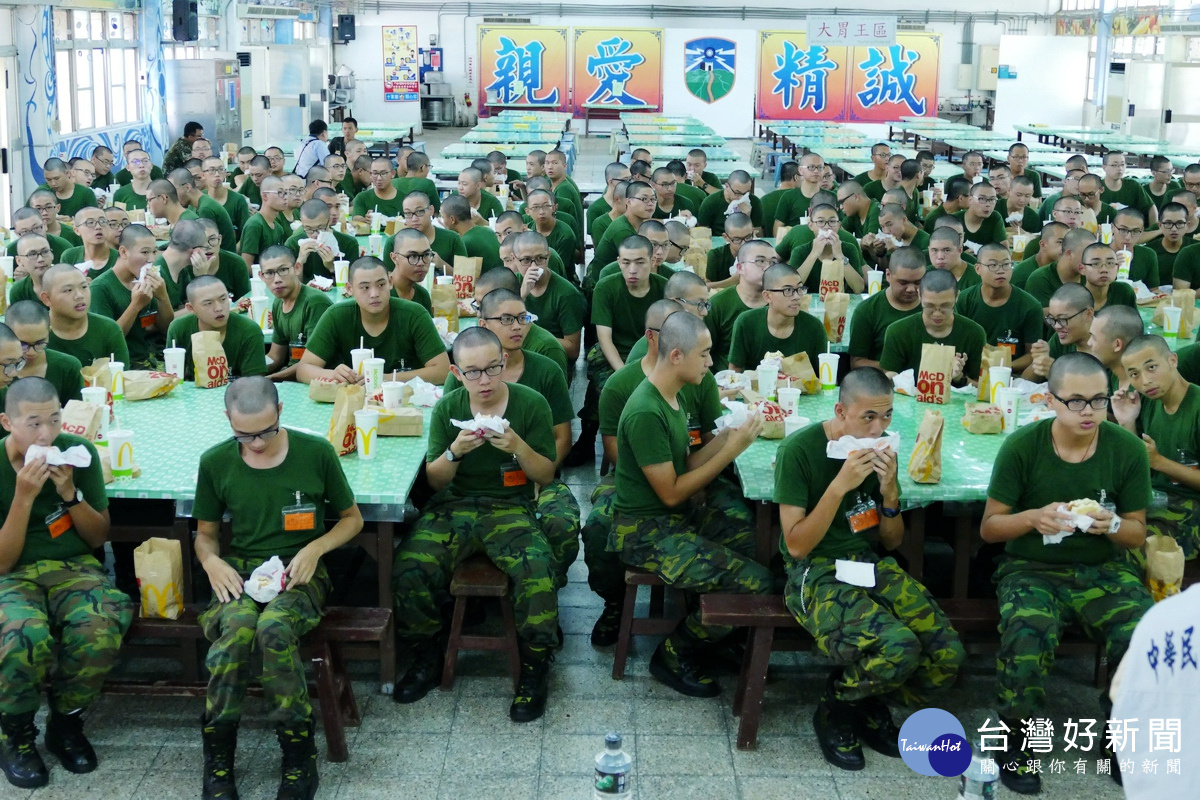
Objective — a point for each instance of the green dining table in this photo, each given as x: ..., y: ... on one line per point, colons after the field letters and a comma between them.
x: 471, y: 150
x: 652, y: 140
x: 544, y: 140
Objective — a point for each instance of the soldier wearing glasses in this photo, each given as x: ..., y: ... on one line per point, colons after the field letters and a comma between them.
x: 418, y: 215
x: 411, y: 257
x: 1010, y: 316
x: 780, y: 326
x: 936, y: 324
x: 270, y: 225
x: 547, y: 294
x: 827, y: 245
x: 314, y: 256
x: 295, y: 311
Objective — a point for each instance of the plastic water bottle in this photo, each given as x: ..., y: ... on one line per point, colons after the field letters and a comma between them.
x: 978, y: 783
x: 612, y: 771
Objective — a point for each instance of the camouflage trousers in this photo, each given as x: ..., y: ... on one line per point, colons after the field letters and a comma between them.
x: 243, y: 625
x: 606, y: 573
x: 1180, y: 520
x: 61, y: 623
x: 1038, y: 600
x: 701, y: 551
x: 598, y: 373
x: 558, y: 514
x: 892, y: 639
x: 455, y: 528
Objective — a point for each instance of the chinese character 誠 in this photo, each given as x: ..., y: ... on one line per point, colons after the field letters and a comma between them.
x: 518, y: 73
x: 613, y: 66
x: 806, y: 70
x: 888, y: 79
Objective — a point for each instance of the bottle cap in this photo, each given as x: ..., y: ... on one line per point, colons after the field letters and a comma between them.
x: 613, y: 740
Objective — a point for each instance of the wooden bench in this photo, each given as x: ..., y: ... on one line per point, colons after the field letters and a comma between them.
x: 479, y: 577
x: 332, y: 688
x: 658, y: 623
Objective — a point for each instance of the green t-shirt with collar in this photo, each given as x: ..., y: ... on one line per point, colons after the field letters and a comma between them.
x: 406, y: 186
x: 701, y: 403
x: 561, y: 309
x: 872, y: 319
x: 62, y: 371
x: 58, y: 246
x: 243, y: 345
x: 238, y: 208
x: 101, y: 339
x: 132, y: 200
x: 81, y: 197
x: 1044, y: 282
x: 1020, y: 317
x: 1175, y: 435
x: 24, y: 290
x: 542, y: 376
x: 813, y: 282
x: 1131, y: 194
x: 208, y: 208
x: 752, y: 340
x: 256, y: 498
x: 541, y: 341
x: 902, y: 345
x: 727, y: 306
x: 802, y: 475
x: 75, y: 255
x: 480, y: 472
x: 1166, y: 260
x: 294, y: 328
x: 650, y: 431
x: 1029, y: 474
x: 447, y: 244
x: 110, y: 298
x: 259, y: 234
x: 614, y: 307
x: 409, y: 338
x: 39, y: 545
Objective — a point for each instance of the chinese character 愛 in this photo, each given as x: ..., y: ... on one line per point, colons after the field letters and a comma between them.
x: 613, y: 66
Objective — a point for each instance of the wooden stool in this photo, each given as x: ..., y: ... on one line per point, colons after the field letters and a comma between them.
x: 657, y: 623
x: 479, y: 577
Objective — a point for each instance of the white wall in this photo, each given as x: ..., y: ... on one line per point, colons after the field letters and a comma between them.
x: 365, y: 56
x: 1030, y: 97
x: 732, y: 116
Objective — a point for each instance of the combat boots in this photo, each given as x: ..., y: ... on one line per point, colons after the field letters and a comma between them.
x: 220, y: 744
x: 65, y: 739
x: 19, y: 757
x: 1015, y: 772
x: 674, y: 663
x: 529, y: 702
x: 834, y: 722
x: 299, y: 780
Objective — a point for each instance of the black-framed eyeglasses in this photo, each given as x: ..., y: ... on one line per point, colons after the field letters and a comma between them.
x: 1077, y: 404
x: 789, y: 291
x: 764, y: 262
x: 512, y: 319
x: 271, y: 274
x: 678, y: 246
x: 416, y: 214
x: 738, y: 239
x: 1128, y: 231
x: 539, y: 208
x: 1172, y: 225
x: 529, y: 261
x: 700, y: 305
x: 825, y: 223
x: 1062, y: 322
x: 416, y: 259
x: 36, y: 347
x: 12, y: 368
x: 266, y: 436
x: 37, y: 254
x: 998, y: 266
x: 475, y: 374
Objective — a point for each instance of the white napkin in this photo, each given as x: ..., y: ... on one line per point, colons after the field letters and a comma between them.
x: 972, y: 246
x: 739, y: 206
x: 443, y: 328
x: 84, y: 266
x: 738, y: 414
x: 321, y: 282
x: 905, y: 382
x: 1028, y: 388
x: 267, y: 580
x: 843, y: 447
x: 968, y: 389
x: 855, y: 573
x: 74, y: 456
x: 482, y: 423
x: 424, y: 393
x: 1014, y: 218
x: 886, y: 238
x: 728, y: 379
x: 1141, y: 290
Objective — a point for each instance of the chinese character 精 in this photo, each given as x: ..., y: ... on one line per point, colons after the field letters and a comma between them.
x: 796, y: 66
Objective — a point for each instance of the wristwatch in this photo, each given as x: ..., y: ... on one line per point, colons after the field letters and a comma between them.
x: 450, y: 455
x: 890, y: 513
x: 72, y: 503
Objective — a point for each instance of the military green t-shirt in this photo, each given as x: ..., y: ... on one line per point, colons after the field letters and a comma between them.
x: 238, y: 208
x: 58, y: 246
x: 932, y: 217
x: 801, y: 235
x: 712, y: 212
x: 1144, y: 266
x: 102, y: 338
x: 990, y: 230
x: 24, y: 290
x: 1130, y: 194
x: 902, y: 345
x: 561, y: 309
x: 39, y: 545
x: 1044, y: 282
x: 1024, y: 269
x: 606, y: 251
x: 614, y: 307
x: 1189, y: 363
x: 752, y: 340
x: 680, y: 205
x: 792, y: 205
x: 110, y: 298
x: 62, y: 371
x: 544, y: 377
x: 249, y: 189
x: 409, y: 338
x: 1018, y: 321
x: 770, y: 206
x: 813, y: 282
x: 1177, y: 436
x: 1187, y: 266
x: 447, y: 244
x: 562, y: 240
x: 231, y: 271
x: 420, y: 297
x: 125, y: 176
x: 701, y: 403
x: 1159, y: 200
x: 406, y: 186
x: 294, y: 328
x: 81, y: 197
x: 75, y: 255
x: 132, y: 200
x: 1030, y: 222
x: 727, y: 306
x: 313, y: 265
x: 68, y: 234
x: 481, y: 471
x: 211, y: 209
x: 802, y: 474
x: 872, y: 319
x: 482, y: 243
x: 693, y: 193
x: 367, y: 202
x: 649, y: 432
x: 243, y: 345
x: 1029, y: 474
x: 859, y: 227
x: 541, y: 341
x: 1166, y: 259
x: 720, y: 259
x: 258, y: 234
x: 1120, y: 294
x: 256, y: 498
x: 599, y: 208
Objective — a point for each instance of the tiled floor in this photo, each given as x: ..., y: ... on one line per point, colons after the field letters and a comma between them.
x: 460, y: 745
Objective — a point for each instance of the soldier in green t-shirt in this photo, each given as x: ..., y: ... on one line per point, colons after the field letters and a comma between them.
x: 1052, y: 572
x: 382, y: 196
x: 827, y: 245
x: 485, y: 483
x: 1113, y: 328
x: 278, y: 485
x: 411, y: 256
x: 316, y: 246
x: 65, y: 617
x: 398, y: 331
x: 889, y: 639
x: 542, y: 207
x: 241, y: 338
x: 1164, y: 409
x: 479, y: 240
x: 295, y: 310
x: 538, y: 339
x: 1120, y: 191
x: 557, y: 303
x: 418, y: 215
x: 1172, y: 221
x: 74, y: 330
x: 135, y: 295
x: 1010, y: 317
x: 936, y: 324
x: 30, y: 321
x: 33, y: 258
x: 269, y: 225
x: 1099, y: 264
x: 946, y: 252
x: 781, y: 326
x: 71, y: 196
x: 1069, y: 317
x: 92, y: 226
x: 753, y: 259
x: 981, y: 222
x: 900, y: 298
x: 417, y: 179
x: 737, y: 189
x: 697, y: 549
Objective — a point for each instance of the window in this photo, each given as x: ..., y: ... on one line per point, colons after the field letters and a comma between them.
x: 96, y: 66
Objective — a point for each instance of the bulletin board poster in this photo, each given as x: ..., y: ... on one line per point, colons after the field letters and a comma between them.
x: 524, y: 66
x: 878, y: 83
x: 618, y: 68
x: 401, y: 81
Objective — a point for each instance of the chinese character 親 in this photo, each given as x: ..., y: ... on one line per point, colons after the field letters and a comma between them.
x: 997, y: 740
x: 1071, y: 732
x: 893, y: 84
x: 613, y: 67
x: 808, y: 68
x: 518, y: 73
x: 1166, y: 735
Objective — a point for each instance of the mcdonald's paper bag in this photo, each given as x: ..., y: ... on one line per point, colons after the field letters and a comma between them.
x: 837, y: 307
x: 444, y: 299
x: 925, y: 463
x: 208, y: 358
x: 800, y: 369
x: 98, y: 374
x: 400, y: 421
x: 935, y: 373
x: 144, y: 385
x: 983, y: 418
x: 773, y: 420
x: 832, y: 270
x: 998, y: 356
x: 466, y: 271
x: 158, y: 565
x: 1164, y: 566
x: 82, y: 419
x: 323, y: 390
x: 350, y: 398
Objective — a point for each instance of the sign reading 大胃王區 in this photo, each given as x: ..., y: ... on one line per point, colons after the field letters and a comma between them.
x: 836, y: 31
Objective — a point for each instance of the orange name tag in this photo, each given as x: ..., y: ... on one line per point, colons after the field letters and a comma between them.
x: 299, y: 520
x: 863, y: 519
x: 148, y: 320
x: 298, y: 352
x: 513, y: 475
x: 58, y: 523
x: 694, y: 436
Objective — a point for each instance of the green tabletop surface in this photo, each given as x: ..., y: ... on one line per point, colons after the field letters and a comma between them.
x: 1060, y: 130
x: 657, y: 119
x: 1039, y: 158
x: 545, y: 140
x: 929, y: 120
x: 470, y: 150
x: 681, y: 139
x: 171, y: 433
x: 668, y: 152
x: 524, y: 115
